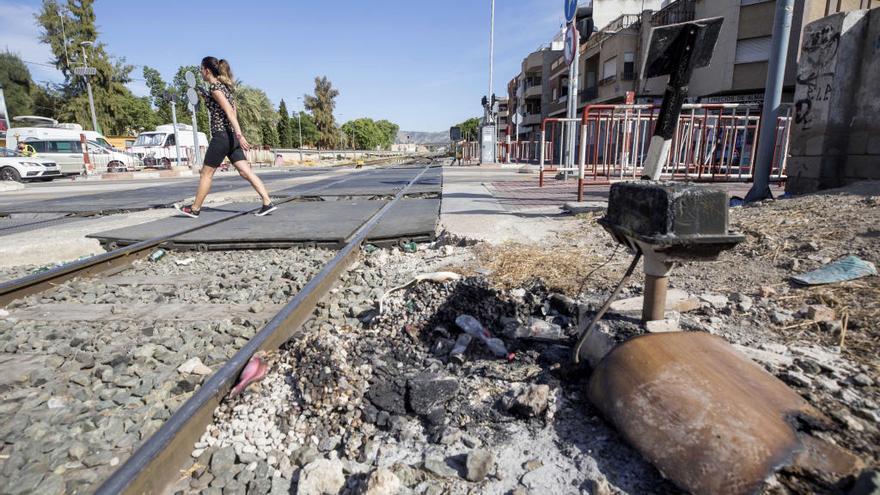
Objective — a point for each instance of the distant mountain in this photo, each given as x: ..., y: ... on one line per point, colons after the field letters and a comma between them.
x: 418, y: 137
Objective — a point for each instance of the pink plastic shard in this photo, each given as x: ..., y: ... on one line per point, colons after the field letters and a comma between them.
x: 254, y: 371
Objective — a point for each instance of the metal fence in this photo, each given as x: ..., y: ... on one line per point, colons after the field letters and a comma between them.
x: 713, y: 142
x: 523, y: 151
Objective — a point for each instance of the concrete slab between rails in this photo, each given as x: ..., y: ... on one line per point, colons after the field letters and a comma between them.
x: 327, y: 223
x: 377, y: 183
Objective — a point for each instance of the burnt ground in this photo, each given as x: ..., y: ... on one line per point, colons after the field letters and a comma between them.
x: 361, y: 399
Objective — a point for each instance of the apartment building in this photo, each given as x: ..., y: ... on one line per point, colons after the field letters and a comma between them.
x: 611, y: 60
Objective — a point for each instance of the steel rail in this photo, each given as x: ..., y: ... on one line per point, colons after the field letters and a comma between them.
x: 117, y: 259
x: 156, y: 464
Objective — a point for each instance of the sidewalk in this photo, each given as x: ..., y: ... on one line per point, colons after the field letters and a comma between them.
x: 471, y: 209
x: 498, y: 204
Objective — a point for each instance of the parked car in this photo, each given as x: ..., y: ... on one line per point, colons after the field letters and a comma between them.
x: 66, y: 153
x: 157, y: 148
x: 20, y: 168
x: 111, y: 160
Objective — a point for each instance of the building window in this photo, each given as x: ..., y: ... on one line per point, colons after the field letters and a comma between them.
x: 751, y: 2
x: 753, y: 50
x: 629, y: 66
x: 609, y: 70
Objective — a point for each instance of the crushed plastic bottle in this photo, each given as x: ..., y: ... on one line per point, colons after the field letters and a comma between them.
x: 457, y: 355
x: 472, y: 327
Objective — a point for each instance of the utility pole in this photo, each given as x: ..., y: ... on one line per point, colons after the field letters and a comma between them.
x: 491, y: 58
x: 772, y: 97
x: 83, y: 45
x: 300, y: 125
x: 176, y: 135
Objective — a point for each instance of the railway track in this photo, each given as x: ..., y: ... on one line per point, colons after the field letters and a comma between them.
x: 102, y: 389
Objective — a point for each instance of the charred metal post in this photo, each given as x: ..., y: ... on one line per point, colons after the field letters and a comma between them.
x: 675, y: 50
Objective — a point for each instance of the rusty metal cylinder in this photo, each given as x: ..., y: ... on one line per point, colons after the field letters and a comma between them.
x: 654, y: 306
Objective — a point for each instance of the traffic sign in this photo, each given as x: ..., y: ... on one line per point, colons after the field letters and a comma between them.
x: 571, y: 7
x: 190, y: 79
x: 85, y: 71
x: 517, y: 118
x: 571, y: 44
x: 192, y: 96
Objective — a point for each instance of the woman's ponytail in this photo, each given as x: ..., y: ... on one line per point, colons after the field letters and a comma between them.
x: 225, y: 75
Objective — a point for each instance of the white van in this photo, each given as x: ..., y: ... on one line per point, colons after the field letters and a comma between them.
x: 52, y: 130
x: 157, y: 148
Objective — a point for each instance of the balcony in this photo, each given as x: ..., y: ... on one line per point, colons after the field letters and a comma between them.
x: 532, y: 119
x: 534, y: 91
x: 674, y: 13
x: 589, y: 94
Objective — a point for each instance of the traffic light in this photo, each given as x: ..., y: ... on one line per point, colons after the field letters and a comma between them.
x: 485, y: 101
x: 493, y: 100
x: 584, y: 22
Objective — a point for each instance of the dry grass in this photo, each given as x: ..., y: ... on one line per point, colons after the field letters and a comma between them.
x: 562, y: 269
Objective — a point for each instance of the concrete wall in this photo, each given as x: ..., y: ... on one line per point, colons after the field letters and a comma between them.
x: 836, y: 103
x: 605, y: 11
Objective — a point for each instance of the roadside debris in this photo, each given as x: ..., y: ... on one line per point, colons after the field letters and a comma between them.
x: 157, y: 255
x: 472, y: 327
x: 842, y: 270
x: 255, y: 370
x: 194, y: 366
x: 436, y: 277
x: 184, y: 262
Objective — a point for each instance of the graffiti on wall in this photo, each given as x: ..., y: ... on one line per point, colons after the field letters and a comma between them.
x: 815, y: 74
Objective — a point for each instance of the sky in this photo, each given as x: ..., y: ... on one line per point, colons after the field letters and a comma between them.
x: 420, y: 64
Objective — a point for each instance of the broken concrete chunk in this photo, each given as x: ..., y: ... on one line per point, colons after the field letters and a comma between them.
x: 480, y: 463
x: 321, y: 477
x: 383, y: 482
x: 820, y: 312
x: 532, y: 401
x: 676, y: 300
x: 438, y: 467
x: 662, y: 326
x: 428, y: 391
x: 194, y: 366
x: 717, y: 301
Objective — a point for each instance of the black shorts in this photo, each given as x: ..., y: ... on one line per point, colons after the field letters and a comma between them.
x: 223, y: 145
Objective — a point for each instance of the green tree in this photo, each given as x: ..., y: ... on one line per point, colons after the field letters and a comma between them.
x: 269, y: 134
x: 366, y: 133
x: 285, y: 139
x: 309, y: 130
x: 18, y: 87
x: 321, y: 106
x: 113, y: 101
x: 470, y: 129
x: 254, y: 107
x: 160, y: 93
x: 389, y: 132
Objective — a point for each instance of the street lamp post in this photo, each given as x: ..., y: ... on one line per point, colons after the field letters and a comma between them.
x: 299, y: 123
x: 83, y: 45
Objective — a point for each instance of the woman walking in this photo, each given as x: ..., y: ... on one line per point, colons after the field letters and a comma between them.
x: 226, y: 137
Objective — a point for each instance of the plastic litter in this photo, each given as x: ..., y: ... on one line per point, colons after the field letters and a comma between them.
x: 410, y: 247
x: 254, y: 371
x: 472, y: 327
x: 184, y: 262
x: 848, y: 268
x: 457, y: 355
x: 157, y: 255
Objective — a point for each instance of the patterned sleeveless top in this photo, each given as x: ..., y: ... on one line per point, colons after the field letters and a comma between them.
x: 219, y: 121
